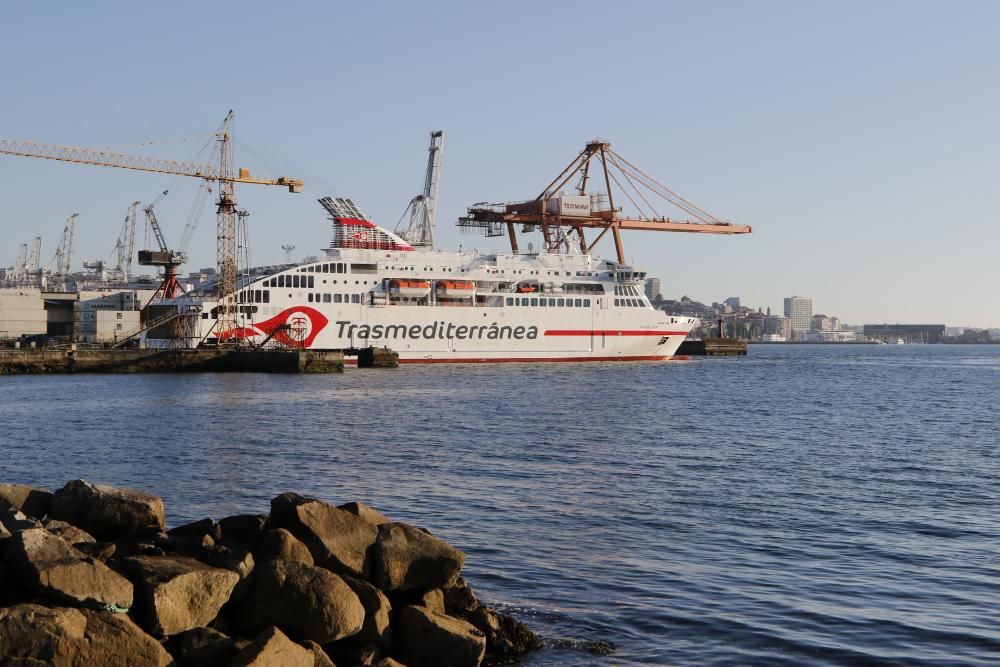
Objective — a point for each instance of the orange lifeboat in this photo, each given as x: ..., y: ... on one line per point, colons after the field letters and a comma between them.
x: 526, y: 289
x: 409, y: 289
x: 456, y: 289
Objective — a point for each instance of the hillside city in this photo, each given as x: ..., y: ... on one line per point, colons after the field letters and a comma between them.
x: 798, y: 323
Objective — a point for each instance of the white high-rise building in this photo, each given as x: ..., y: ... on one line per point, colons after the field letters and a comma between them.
x: 652, y: 288
x: 799, y: 309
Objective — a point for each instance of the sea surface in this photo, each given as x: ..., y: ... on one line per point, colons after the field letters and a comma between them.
x: 804, y: 505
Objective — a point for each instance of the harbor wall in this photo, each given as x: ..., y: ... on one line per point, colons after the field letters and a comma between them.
x: 44, y: 361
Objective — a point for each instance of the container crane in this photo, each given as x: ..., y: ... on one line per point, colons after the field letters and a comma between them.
x: 560, y: 216
x: 222, y: 173
x: 423, y: 207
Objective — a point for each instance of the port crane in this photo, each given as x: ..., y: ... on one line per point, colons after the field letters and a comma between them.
x: 64, y: 253
x: 423, y: 207
x: 561, y: 217
x: 222, y: 173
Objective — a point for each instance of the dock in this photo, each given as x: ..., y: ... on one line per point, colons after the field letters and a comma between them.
x: 54, y: 361
x: 713, y: 347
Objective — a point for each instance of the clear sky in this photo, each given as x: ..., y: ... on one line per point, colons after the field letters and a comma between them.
x: 859, y: 139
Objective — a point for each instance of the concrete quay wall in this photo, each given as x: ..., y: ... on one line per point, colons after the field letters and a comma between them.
x: 44, y: 361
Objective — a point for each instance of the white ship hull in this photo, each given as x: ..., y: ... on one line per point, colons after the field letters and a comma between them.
x: 525, y: 308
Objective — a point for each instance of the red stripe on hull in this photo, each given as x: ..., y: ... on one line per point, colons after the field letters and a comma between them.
x: 533, y: 360
x: 612, y: 332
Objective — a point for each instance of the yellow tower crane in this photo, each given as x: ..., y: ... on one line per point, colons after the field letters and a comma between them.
x: 222, y: 172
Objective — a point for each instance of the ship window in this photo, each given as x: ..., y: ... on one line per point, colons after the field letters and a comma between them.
x: 586, y: 303
x: 355, y: 298
x: 534, y: 302
x: 618, y: 302
x: 310, y: 297
x: 577, y: 303
x: 510, y: 301
x: 295, y: 281
x: 312, y: 282
x: 267, y: 296
x: 337, y: 298
x: 561, y: 303
x: 326, y: 298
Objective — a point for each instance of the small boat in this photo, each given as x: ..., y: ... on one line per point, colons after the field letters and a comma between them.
x: 409, y: 289
x: 456, y: 289
x: 899, y: 341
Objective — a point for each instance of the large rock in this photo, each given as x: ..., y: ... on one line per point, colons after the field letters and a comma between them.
x: 201, y: 647
x: 68, y: 532
x: 320, y: 658
x: 245, y: 527
x: 305, y: 601
x: 175, y: 593
x: 459, y: 599
x: 375, y: 630
x: 28, y: 499
x: 273, y: 649
x: 337, y: 539
x: 507, y: 639
x: 14, y: 520
x: 407, y: 558
x: 280, y: 544
x: 372, y: 516
x: 426, y: 638
x: 34, y: 635
x: 45, y: 564
x: 106, y: 512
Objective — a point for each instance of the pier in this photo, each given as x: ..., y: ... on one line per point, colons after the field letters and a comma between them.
x: 69, y: 360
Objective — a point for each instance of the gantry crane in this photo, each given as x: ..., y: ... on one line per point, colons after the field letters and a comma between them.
x: 559, y: 216
x: 222, y: 173
x: 64, y: 253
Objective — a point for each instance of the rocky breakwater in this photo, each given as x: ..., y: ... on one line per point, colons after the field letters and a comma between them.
x: 90, y: 576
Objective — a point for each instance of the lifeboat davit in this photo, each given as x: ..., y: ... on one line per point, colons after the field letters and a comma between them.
x: 456, y: 289
x: 409, y: 289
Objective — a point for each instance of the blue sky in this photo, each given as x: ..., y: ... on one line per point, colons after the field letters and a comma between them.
x: 859, y: 139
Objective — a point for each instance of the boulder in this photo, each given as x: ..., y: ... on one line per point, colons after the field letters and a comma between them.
x: 407, y: 558
x: 273, y: 649
x: 372, y: 516
x: 176, y: 593
x: 433, y: 600
x: 35, y: 635
x: 507, y: 639
x: 106, y: 512
x: 282, y: 545
x: 198, y: 529
x: 305, y: 601
x: 45, y: 564
x: 375, y: 630
x: 68, y: 532
x: 459, y: 599
x: 320, y: 658
x: 234, y: 558
x: 32, y: 501
x: 245, y: 527
x: 14, y: 520
x: 102, y: 551
x: 337, y: 539
x: 389, y: 662
x: 4, y: 533
x: 201, y: 647
x: 426, y: 638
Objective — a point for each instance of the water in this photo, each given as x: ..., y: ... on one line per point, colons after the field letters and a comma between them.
x: 803, y: 505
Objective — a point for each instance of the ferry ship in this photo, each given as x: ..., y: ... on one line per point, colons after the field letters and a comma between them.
x: 375, y: 287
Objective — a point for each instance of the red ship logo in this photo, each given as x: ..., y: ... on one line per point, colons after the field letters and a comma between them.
x: 292, y: 327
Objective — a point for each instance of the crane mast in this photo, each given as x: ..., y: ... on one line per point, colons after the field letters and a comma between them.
x: 423, y: 207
